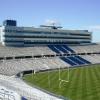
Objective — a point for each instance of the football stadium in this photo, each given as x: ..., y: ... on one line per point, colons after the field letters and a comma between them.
x: 48, y: 63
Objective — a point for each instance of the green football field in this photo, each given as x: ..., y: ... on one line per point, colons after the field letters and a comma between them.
x: 84, y: 82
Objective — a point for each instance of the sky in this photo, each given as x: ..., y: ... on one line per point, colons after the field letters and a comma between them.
x: 71, y: 14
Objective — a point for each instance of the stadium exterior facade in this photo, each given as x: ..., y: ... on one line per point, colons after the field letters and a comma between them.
x: 12, y: 35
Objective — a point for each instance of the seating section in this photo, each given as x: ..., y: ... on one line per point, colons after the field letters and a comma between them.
x: 69, y: 49
x: 25, y: 51
x: 83, y: 60
x: 72, y: 60
x: 53, y: 48
x: 75, y: 60
x: 86, y: 48
x: 94, y: 59
x: 46, y: 50
x: 68, y: 61
x: 13, y: 67
x: 61, y: 49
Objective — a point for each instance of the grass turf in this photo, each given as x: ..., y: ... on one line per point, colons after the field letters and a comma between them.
x: 84, y: 82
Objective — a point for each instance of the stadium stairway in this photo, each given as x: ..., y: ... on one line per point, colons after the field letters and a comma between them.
x: 72, y: 60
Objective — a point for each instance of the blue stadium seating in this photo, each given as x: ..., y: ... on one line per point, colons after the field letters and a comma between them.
x: 53, y: 48
x: 61, y: 48
x: 75, y: 60
x: 85, y: 61
x: 68, y: 61
x: 68, y: 49
x: 79, y: 62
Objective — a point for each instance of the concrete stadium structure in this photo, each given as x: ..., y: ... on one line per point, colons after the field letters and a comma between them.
x: 11, y: 34
x: 29, y: 49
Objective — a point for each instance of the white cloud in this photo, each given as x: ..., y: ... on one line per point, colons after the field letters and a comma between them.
x: 52, y: 22
x: 95, y: 28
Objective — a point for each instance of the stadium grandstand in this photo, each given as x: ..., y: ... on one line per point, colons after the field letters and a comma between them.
x: 29, y: 49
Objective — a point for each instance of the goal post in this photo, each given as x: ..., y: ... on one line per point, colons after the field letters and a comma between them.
x: 63, y: 75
